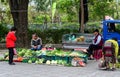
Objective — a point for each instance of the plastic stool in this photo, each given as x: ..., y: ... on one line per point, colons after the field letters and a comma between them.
x: 97, y: 54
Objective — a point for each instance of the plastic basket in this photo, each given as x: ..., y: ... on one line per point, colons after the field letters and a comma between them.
x: 25, y: 60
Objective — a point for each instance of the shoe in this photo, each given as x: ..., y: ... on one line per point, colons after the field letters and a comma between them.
x: 90, y: 58
x: 11, y: 63
x: 113, y: 69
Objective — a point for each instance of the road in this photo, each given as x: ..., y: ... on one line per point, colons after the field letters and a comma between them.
x: 34, y: 70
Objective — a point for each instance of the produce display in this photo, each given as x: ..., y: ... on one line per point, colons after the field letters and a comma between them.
x: 50, y: 57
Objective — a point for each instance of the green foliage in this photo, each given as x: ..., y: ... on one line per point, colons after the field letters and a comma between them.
x: 3, y: 31
x: 4, y: 1
x: 55, y: 35
x: 101, y: 8
x: 69, y: 8
x: 5, y: 14
x: 91, y: 26
x: 41, y: 18
x: 51, y: 35
x: 42, y: 5
x: 66, y: 10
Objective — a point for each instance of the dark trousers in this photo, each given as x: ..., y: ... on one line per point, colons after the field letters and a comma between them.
x: 92, y: 48
x: 11, y: 54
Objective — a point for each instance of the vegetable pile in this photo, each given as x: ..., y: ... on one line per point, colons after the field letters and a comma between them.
x: 52, y: 57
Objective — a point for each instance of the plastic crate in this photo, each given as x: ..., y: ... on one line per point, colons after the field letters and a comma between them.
x: 68, y: 59
x: 25, y: 60
x: 65, y: 58
x: 47, y: 57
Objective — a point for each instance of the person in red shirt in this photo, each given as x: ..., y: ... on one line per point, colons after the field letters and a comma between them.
x: 10, y: 44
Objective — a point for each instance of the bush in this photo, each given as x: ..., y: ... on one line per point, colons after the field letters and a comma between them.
x: 91, y: 26
x: 54, y: 35
x: 3, y: 31
x: 51, y: 35
x: 48, y: 36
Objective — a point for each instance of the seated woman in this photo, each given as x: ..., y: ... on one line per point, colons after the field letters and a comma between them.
x: 36, y: 42
x: 97, y: 44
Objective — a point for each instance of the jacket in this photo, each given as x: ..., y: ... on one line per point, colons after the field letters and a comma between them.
x: 10, y: 39
x: 36, y: 42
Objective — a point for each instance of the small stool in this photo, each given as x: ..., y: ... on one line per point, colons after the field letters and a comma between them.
x: 97, y: 54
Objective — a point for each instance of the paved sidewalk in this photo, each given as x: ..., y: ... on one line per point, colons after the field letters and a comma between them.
x: 34, y: 70
x: 2, y: 51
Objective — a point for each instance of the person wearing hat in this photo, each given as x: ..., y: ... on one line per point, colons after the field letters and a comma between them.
x: 96, y: 44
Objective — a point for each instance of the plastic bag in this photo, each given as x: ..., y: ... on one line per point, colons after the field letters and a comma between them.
x: 77, y: 62
x: 15, y: 51
x: 102, y: 63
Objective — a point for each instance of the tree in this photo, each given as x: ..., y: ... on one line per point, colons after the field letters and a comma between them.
x: 19, y: 11
x: 5, y: 16
x: 45, y: 7
x: 83, y: 14
x: 68, y: 9
x: 99, y: 8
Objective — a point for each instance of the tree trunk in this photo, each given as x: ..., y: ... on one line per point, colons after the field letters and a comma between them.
x: 82, y: 18
x: 83, y: 14
x: 19, y: 11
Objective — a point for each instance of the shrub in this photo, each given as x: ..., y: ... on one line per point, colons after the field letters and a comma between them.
x: 51, y: 35
x: 3, y: 31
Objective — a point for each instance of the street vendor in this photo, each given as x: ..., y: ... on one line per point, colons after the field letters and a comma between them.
x: 96, y: 44
x: 116, y: 46
x: 110, y: 52
x: 36, y: 42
